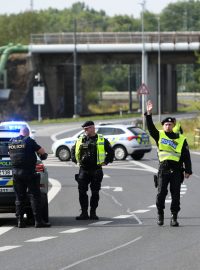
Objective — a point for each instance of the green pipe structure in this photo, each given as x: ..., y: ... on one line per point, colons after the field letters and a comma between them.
x: 7, y: 50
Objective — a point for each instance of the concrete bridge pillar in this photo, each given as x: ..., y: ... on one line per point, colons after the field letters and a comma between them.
x: 168, y: 87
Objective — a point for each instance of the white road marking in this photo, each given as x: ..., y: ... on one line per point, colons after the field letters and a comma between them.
x: 123, y: 216
x: 152, y: 206
x: 101, y: 222
x: 112, y: 197
x: 101, y: 254
x: 114, y: 188
x: 106, y: 176
x: 5, y: 229
x: 147, y: 167
x: 56, y: 187
x: 75, y: 230
x: 168, y: 201
x: 5, y: 248
x: 41, y: 239
x: 141, y: 211
x: 183, y: 189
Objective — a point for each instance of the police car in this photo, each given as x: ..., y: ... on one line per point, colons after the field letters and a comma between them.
x: 125, y: 139
x: 7, y: 195
x: 13, y: 127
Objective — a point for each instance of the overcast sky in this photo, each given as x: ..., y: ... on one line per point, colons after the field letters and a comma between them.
x: 111, y: 7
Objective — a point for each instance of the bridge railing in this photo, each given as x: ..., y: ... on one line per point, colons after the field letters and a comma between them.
x: 114, y: 37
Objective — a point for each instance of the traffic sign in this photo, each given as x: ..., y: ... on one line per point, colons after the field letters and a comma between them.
x: 38, y: 95
x: 143, y: 90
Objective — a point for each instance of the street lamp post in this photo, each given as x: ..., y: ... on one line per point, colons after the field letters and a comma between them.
x: 159, y: 81
x: 143, y: 63
x: 75, y: 73
x: 129, y: 89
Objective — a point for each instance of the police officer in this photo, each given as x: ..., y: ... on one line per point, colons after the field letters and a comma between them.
x: 91, y: 152
x: 174, y: 164
x: 22, y: 150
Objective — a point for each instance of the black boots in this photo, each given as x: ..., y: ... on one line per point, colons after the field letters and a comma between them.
x: 173, y: 221
x: 93, y: 215
x: 42, y: 224
x: 160, y: 218
x: 21, y: 222
x: 83, y: 215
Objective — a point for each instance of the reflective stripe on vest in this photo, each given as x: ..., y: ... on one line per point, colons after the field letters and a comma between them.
x: 169, y: 149
x: 101, y: 154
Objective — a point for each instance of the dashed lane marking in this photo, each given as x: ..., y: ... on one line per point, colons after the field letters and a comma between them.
x: 6, y: 248
x: 41, y: 239
x: 141, y: 211
x: 75, y: 230
x: 101, y: 223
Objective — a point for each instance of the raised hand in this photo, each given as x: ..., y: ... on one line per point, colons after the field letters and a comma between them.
x: 149, y: 106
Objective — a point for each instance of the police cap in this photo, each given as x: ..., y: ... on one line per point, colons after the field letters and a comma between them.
x: 88, y: 124
x: 168, y: 120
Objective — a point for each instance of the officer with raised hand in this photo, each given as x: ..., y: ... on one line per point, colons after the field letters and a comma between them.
x: 174, y: 158
x: 91, y: 152
x: 22, y: 150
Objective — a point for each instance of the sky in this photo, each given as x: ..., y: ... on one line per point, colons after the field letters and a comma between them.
x: 111, y: 7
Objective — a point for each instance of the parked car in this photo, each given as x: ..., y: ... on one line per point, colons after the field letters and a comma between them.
x: 13, y: 127
x: 7, y: 195
x: 125, y: 139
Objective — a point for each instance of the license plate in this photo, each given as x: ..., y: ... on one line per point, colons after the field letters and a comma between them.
x: 8, y: 189
x: 5, y: 172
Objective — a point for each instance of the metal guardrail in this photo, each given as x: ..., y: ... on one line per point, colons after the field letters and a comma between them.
x: 114, y: 37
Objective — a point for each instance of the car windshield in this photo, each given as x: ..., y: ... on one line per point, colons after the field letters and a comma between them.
x: 11, y: 127
x: 4, y: 147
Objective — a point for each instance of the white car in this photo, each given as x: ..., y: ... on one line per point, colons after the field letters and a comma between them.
x: 12, y: 128
x: 125, y: 139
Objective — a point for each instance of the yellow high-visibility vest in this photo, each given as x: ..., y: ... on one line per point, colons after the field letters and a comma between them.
x: 169, y: 149
x: 101, y: 154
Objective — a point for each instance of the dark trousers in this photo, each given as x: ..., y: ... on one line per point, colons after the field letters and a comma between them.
x: 174, y: 179
x: 94, y: 179
x: 22, y: 184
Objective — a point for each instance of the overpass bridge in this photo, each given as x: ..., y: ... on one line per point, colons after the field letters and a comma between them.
x: 53, y: 55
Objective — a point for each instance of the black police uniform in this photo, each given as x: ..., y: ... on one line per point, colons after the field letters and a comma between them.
x: 90, y: 174
x: 170, y: 172
x: 23, y: 157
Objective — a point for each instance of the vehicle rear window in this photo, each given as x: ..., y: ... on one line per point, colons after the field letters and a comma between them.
x: 110, y: 131
x: 11, y: 128
x: 136, y: 131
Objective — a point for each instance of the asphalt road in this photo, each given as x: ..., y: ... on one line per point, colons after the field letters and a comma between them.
x: 126, y: 236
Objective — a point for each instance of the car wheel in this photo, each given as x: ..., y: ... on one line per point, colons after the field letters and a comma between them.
x: 44, y: 207
x: 120, y: 152
x: 137, y: 156
x: 63, y: 153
